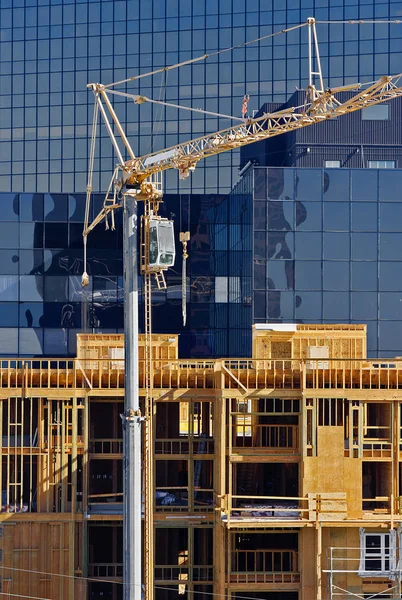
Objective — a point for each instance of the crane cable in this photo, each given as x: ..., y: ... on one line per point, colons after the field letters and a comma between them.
x: 85, y: 277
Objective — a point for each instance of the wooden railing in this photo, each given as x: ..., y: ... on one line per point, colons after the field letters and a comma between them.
x: 245, y: 374
x: 314, y: 507
x: 183, y: 573
x: 178, y: 499
x: 106, y: 446
x: 184, y: 445
x: 264, y: 566
x: 270, y: 437
x: 105, y: 570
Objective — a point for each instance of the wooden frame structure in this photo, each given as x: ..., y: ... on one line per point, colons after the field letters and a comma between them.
x: 270, y: 473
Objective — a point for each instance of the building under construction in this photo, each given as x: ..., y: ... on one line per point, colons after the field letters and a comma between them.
x: 277, y: 477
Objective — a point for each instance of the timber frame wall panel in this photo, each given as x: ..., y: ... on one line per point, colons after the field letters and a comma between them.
x: 270, y: 473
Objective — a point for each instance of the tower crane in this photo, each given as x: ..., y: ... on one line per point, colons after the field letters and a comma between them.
x: 139, y: 179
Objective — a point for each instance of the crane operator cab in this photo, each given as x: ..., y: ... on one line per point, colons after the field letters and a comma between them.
x: 162, y: 251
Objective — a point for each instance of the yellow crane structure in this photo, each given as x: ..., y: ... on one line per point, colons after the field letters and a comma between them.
x: 139, y: 179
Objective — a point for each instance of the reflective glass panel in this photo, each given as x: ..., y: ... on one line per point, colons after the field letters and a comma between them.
x: 308, y: 305
x: 364, y: 246
x: 308, y: 185
x: 336, y: 216
x: 364, y: 275
x: 308, y: 275
x: 9, y: 235
x: 9, y: 262
x: 364, y: 305
x: 389, y: 185
x: 364, y: 185
x: 364, y: 216
x: 56, y: 207
x: 336, y: 184
x: 31, y: 207
x: 336, y: 275
x: 336, y: 246
x: 308, y: 216
x: 336, y: 305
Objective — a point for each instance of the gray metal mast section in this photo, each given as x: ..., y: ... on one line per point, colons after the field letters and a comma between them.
x: 132, y: 542
x: 131, y: 418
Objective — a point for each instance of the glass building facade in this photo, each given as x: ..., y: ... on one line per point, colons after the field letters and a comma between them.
x: 43, y: 305
x: 51, y: 49
x: 326, y: 247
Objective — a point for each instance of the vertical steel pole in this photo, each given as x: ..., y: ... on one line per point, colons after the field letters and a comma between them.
x: 132, y: 549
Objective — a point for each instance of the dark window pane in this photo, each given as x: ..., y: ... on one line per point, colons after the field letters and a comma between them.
x: 280, y: 244
x: 364, y: 275
x: 260, y: 246
x: 56, y: 207
x: 308, y: 185
x: 308, y: 306
x: 9, y: 314
x: 260, y: 275
x: 280, y: 305
x: 308, y: 216
x: 336, y: 305
x: 260, y: 215
x: 336, y: 245
x: 308, y: 245
x: 31, y: 288
x: 76, y: 207
x: 336, y: 275
x: 31, y: 207
x: 31, y: 314
x: 364, y: 216
x: 9, y: 237
x: 55, y: 342
x: 336, y: 216
x: 390, y: 336
x: 31, y: 342
x: 308, y: 275
x: 259, y: 305
x: 390, y: 246
x: 390, y: 305
x: 31, y: 262
x: 260, y: 184
x: 364, y: 305
x: 280, y: 184
x: 9, y: 262
x: 390, y: 216
x: 56, y: 235
x: 57, y: 314
x: 364, y: 246
x: 75, y: 230
x: 280, y: 216
x: 8, y: 341
x: 56, y: 288
x: 390, y: 276
x: 31, y: 235
x: 389, y: 185
x: 8, y: 288
x: 364, y: 185
x: 281, y: 274
x: 59, y: 262
x: 336, y: 184
x: 9, y: 207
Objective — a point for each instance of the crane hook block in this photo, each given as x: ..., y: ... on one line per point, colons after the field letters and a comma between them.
x: 85, y: 279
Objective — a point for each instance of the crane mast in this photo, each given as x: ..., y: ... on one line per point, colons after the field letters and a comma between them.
x: 139, y: 179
